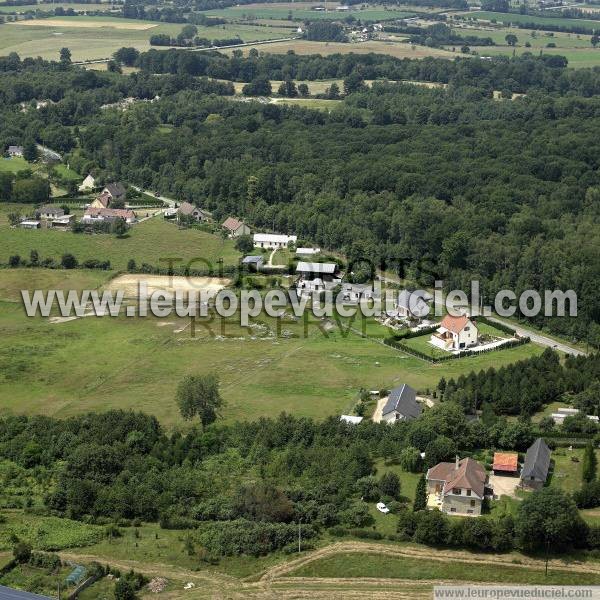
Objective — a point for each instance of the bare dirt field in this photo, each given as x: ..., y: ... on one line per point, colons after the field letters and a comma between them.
x: 130, y: 284
x: 85, y: 24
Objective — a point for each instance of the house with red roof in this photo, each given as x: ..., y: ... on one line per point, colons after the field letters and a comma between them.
x: 506, y: 463
x: 456, y: 488
x: 455, y: 333
x: 235, y: 228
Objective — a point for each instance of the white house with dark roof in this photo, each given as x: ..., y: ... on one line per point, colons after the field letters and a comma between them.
x: 536, y: 465
x: 401, y: 405
x: 15, y: 150
x: 412, y: 305
x: 455, y: 333
x: 50, y: 211
x: 315, y: 277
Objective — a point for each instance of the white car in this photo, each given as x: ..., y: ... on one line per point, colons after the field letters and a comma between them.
x: 381, y: 507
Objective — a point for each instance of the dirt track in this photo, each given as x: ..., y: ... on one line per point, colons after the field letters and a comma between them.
x: 276, y: 582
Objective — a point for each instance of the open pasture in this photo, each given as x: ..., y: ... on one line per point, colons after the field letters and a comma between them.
x: 507, y: 18
x: 399, y: 50
x: 93, y: 38
x: 56, y: 368
x: 303, y: 11
x: 150, y: 242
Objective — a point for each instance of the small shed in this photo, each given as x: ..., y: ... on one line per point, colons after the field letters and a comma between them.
x: 506, y: 463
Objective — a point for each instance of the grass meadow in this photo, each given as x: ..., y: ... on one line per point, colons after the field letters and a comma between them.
x: 301, y: 11
x: 589, y: 24
x: 380, y: 566
x: 91, y: 363
x: 91, y: 38
x: 151, y: 242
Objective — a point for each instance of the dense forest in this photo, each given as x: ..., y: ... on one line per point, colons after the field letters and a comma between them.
x: 436, y: 183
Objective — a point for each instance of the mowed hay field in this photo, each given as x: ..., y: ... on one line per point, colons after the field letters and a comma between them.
x: 148, y: 242
x: 397, y: 49
x: 301, y: 11
x: 91, y: 38
x: 575, y: 47
x: 99, y: 363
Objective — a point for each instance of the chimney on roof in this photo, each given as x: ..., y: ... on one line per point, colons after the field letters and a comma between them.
x: 456, y: 463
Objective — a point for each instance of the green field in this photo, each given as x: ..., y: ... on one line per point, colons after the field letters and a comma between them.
x: 106, y: 35
x: 57, y: 368
x: 14, y: 164
x: 589, y: 24
x: 378, y: 566
x: 105, y: 6
x: 303, y: 12
x: 147, y: 242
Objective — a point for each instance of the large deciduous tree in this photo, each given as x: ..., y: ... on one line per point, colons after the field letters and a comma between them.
x: 198, y: 395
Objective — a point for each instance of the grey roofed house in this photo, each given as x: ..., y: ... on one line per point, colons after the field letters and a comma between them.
x: 15, y: 150
x: 311, y: 267
x: 411, y: 303
x: 401, y: 404
x: 536, y: 464
x: 116, y: 189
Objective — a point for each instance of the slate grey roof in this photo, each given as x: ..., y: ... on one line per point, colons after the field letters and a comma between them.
x: 115, y: 189
x: 403, y: 399
x: 537, y: 461
x: 250, y: 260
x: 7, y: 593
x: 312, y: 267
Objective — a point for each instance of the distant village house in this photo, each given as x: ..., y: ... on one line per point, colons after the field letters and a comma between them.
x: 235, y: 228
x: 88, y: 184
x: 189, y: 211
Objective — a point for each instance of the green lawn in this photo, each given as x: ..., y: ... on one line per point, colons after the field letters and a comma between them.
x: 147, y: 242
x: 14, y: 164
x: 373, y: 565
x: 68, y: 174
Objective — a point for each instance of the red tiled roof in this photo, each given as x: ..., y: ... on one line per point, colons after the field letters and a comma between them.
x: 469, y: 475
x: 232, y: 224
x: 455, y: 324
x: 124, y: 213
x: 506, y: 461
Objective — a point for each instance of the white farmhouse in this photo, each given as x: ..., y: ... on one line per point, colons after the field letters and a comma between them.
x: 455, y: 333
x: 273, y: 241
